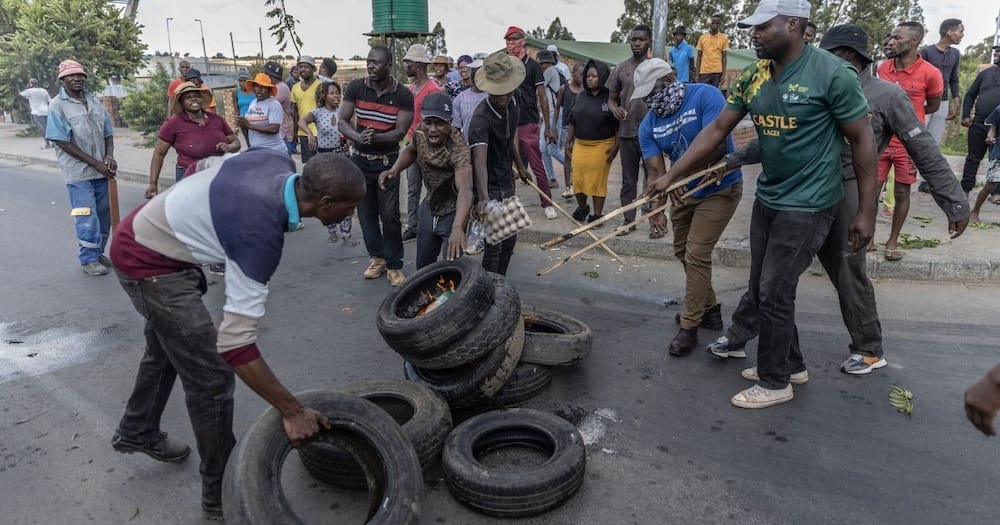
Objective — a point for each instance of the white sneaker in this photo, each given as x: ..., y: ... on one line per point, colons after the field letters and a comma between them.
x: 550, y: 213
x: 798, y: 378
x: 760, y: 397
x: 568, y: 192
x: 722, y: 348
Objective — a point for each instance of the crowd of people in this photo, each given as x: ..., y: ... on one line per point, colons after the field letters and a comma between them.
x: 464, y: 136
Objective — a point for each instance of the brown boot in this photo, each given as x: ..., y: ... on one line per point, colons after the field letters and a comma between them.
x: 684, y: 342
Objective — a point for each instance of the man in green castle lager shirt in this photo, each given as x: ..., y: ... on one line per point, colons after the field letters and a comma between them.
x: 805, y: 102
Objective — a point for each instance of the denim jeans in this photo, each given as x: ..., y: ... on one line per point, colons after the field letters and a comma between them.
x: 178, y: 173
x: 92, y: 214
x: 552, y: 151
x: 848, y: 272
x: 496, y: 257
x: 527, y: 143
x: 414, y: 183
x: 782, y: 245
x: 433, y: 235
x: 180, y: 342
x: 378, y: 213
x: 290, y: 144
x: 631, y: 158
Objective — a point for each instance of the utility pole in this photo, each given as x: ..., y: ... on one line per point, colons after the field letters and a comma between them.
x: 203, y: 50
x: 660, y: 29
x: 260, y: 35
x: 236, y: 67
x: 170, y: 49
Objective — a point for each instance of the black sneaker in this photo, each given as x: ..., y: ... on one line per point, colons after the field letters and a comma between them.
x: 581, y: 213
x: 923, y: 187
x: 212, y: 511
x: 592, y: 218
x: 164, y: 449
x: 409, y: 235
x: 712, y: 320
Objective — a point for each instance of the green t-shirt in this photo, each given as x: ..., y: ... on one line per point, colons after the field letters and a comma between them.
x: 797, y: 120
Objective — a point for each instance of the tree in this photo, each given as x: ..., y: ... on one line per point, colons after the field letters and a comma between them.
x: 436, y: 44
x: 219, y: 55
x: 39, y: 35
x: 694, y: 15
x: 556, y: 31
x: 284, y: 27
x: 876, y: 17
x: 143, y: 108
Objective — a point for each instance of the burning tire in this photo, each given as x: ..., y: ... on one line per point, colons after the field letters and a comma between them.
x: 424, y: 314
x: 497, y: 325
x: 423, y: 415
x: 508, y: 493
x: 252, y: 491
x: 554, y: 339
x: 483, y: 378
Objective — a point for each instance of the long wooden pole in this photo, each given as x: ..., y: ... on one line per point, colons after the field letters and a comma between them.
x: 571, y: 218
x: 113, y: 202
x: 614, y: 232
x: 589, y: 226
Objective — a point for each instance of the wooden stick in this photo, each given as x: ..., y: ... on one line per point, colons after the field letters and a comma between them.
x: 113, y: 202
x: 635, y: 204
x: 568, y: 215
x: 614, y: 232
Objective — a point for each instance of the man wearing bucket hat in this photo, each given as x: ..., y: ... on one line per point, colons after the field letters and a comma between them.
x: 677, y: 112
x: 804, y: 103
x: 303, y: 100
x: 892, y: 115
x: 81, y: 130
x: 265, y: 115
x: 493, y: 142
x: 384, y: 110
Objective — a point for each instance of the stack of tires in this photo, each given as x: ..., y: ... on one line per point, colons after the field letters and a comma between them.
x: 475, y: 348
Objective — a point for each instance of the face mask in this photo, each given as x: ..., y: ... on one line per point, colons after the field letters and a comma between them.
x: 516, y: 48
x: 666, y: 101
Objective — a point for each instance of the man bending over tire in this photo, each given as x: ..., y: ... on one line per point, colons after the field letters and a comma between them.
x: 157, y: 253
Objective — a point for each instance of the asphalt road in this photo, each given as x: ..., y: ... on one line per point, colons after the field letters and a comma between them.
x: 664, y: 445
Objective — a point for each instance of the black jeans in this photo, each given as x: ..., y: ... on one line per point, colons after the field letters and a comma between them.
x: 304, y: 148
x: 433, y: 233
x: 414, y: 184
x: 977, y: 150
x: 848, y: 273
x: 496, y: 257
x: 180, y: 342
x: 630, y: 155
x: 378, y: 213
x: 782, y: 245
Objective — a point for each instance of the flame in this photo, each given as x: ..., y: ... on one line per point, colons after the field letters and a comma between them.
x: 441, y: 286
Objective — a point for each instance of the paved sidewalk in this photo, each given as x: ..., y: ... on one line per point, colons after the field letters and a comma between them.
x: 973, y: 257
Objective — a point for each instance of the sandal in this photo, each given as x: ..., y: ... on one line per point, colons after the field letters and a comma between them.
x: 893, y: 254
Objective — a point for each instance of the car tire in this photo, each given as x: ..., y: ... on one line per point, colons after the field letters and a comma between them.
x: 423, y: 415
x: 554, y: 339
x: 511, y: 493
x: 252, y: 492
x: 527, y: 382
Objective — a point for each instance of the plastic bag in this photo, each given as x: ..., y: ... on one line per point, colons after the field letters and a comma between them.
x: 475, y: 241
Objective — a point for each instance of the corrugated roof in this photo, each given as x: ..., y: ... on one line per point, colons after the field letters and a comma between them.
x: 613, y: 53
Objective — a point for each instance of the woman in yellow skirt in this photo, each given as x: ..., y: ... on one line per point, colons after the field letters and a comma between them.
x: 592, y: 142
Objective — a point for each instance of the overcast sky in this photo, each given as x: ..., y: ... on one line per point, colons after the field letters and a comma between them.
x: 470, y: 25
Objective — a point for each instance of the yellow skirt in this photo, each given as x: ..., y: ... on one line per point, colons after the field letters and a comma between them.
x: 591, y: 166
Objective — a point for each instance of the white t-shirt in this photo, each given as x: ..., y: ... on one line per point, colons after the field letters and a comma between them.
x: 38, y: 99
x: 262, y: 113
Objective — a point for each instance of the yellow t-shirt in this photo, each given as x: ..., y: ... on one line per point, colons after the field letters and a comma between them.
x: 305, y: 101
x: 710, y: 48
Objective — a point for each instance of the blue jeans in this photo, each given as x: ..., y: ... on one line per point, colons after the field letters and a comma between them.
x: 292, y: 146
x: 92, y: 214
x: 178, y: 174
x: 552, y: 151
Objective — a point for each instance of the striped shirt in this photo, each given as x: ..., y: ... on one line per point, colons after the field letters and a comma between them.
x: 236, y: 212
x: 377, y: 112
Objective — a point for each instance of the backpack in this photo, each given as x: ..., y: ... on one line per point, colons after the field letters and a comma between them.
x: 562, y: 82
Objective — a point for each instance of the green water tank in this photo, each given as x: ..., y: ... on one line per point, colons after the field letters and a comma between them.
x: 399, y: 16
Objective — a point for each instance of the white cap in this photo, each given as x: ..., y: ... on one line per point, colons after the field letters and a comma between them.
x: 768, y: 9
x: 646, y: 74
x: 553, y: 48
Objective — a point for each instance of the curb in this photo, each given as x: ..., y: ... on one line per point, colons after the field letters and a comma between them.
x: 126, y: 175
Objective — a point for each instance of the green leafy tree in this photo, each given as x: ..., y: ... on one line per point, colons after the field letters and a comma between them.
x: 143, y: 108
x: 35, y: 36
x: 436, y: 44
x: 694, y: 15
x: 876, y: 17
x: 973, y: 60
x: 284, y: 27
x: 556, y: 31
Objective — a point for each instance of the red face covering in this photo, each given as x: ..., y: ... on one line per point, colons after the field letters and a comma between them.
x: 516, y: 48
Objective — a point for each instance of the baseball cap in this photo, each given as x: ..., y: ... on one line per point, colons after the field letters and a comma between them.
x: 512, y: 30
x: 768, y: 9
x: 192, y: 73
x: 846, y: 35
x: 553, y: 48
x: 437, y: 105
x: 274, y: 69
x: 70, y: 67
x: 646, y: 74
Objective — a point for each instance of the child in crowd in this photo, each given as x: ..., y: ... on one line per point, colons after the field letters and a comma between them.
x: 993, y: 168
x: 328, y: 140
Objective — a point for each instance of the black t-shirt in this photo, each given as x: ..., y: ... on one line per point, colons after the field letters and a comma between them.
x: 591, y: 116
x: 526, y: 95
x: 494, y: 128
x: 377, y: 112
x: 569, y: 98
